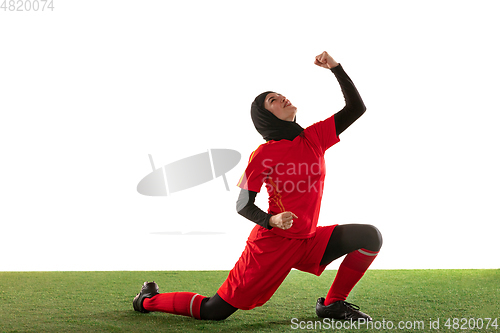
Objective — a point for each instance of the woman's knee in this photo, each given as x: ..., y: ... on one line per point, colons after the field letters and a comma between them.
x: 373, y: 237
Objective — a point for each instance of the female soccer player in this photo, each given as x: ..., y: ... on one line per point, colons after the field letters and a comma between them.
x: 291, y: 164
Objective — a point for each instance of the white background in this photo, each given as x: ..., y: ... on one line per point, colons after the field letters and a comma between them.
x: 89, y: 89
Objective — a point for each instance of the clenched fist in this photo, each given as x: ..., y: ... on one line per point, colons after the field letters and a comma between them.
x: 282, y: 220
x: 325, y: 60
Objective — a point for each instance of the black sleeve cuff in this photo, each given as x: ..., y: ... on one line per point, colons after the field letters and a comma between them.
x: 338, y: 69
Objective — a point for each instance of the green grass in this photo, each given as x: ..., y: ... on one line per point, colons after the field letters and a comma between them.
x: 102, y: 301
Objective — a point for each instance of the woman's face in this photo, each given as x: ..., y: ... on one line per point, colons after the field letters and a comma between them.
x: 280, y: 107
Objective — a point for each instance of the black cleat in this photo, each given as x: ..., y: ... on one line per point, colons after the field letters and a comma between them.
x: 340, y: 310
x: 149, y: 289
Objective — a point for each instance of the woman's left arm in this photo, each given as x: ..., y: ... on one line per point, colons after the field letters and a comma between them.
x: 245, y: 206
x: 354, y: 106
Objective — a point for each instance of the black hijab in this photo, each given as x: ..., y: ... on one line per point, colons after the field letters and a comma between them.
x: 270, y: 126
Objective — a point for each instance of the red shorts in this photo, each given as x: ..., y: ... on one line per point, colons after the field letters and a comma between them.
x: 267, y: 260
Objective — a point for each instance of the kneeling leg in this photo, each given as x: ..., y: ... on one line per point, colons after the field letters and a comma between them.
x: 215, y: 308
x: 190, y: 304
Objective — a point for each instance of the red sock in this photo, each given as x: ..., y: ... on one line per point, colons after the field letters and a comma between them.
x: 350, y: 272
x: 179, y: 303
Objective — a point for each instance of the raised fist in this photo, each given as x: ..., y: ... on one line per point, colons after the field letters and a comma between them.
x: 325, y: 60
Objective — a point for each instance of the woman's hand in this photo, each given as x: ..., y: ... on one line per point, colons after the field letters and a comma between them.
x: 282, y: 220
x: 325, y: 60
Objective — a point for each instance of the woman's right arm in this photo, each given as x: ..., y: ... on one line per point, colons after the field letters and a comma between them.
x: 354, y: 107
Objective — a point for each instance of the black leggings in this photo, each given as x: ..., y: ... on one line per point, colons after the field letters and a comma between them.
x: 351, y: 237
x: 344, y: 239
x: 215, y: 308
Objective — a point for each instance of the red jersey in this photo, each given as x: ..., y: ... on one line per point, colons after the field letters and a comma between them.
x: 294, y: 174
